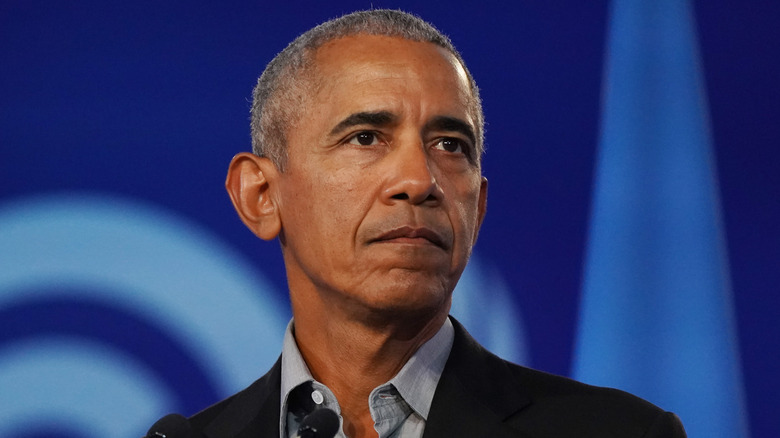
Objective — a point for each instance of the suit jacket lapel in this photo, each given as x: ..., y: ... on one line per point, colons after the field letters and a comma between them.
x: 241, y: 418
x: 476, y: 393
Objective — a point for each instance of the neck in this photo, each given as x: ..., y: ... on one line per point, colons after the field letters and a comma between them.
x: 352, y: 356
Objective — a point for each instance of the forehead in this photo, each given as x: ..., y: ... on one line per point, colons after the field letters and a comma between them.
x: 373, y: 64
x: 371, y: 48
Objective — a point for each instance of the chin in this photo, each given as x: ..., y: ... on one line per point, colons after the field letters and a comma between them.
x: 410, y: 301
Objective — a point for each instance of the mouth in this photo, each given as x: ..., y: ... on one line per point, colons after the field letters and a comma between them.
x: 413, y: 236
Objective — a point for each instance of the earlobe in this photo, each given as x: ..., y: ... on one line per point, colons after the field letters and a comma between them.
x: 250, y: 181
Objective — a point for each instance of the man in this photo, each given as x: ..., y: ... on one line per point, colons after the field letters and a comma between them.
x: 367, y: 138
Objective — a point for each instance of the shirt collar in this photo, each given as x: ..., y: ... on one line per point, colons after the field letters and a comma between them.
x: 294, y: 368
x: 295, y: 372
x: 416, y: 381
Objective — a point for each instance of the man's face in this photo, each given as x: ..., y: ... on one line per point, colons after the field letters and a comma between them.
x: 382, y: 194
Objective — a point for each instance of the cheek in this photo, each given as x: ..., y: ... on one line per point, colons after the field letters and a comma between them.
x: 467, y: 212
x: 327, y: 207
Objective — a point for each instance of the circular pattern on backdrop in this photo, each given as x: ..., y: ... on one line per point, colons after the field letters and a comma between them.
x: 105, y: 300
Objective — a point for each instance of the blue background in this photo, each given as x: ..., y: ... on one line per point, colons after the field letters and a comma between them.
x: 148, y: 101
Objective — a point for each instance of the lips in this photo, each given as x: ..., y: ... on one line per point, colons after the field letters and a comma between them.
x: 409, y: 234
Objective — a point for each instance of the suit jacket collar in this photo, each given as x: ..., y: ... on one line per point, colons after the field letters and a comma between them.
x: 476, y: 394
x: 253, y: 412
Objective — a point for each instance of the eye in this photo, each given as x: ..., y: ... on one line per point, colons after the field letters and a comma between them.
x: 364, y: 138
x: 451, y: 144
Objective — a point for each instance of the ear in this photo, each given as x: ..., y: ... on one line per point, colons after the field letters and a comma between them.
x: 481, y: 206
x: 250, y: 183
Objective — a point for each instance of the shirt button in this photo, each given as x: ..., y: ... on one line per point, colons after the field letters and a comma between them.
x: 317, y: 397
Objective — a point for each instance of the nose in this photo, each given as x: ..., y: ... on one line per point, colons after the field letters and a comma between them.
x: 410, y: 177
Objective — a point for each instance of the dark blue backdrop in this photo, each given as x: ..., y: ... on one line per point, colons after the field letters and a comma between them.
x: 148, y: 101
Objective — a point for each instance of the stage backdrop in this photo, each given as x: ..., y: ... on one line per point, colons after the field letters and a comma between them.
x: 633, y: 153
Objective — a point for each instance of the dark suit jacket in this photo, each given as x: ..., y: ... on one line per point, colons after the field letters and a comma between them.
x: 478, y: 395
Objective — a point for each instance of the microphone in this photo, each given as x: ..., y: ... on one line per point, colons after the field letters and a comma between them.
x: 170, y: 426
x: 322, y: 423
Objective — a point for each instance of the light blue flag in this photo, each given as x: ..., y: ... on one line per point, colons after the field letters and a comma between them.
x: 656, y: 313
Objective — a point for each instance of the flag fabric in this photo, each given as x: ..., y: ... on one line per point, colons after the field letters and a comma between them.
x: 656, y: 315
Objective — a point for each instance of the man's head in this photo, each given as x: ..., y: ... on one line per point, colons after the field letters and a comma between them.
x: 381, y: 196
x: 283, y: 89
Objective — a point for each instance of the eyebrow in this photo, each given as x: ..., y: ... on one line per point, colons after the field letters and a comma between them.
x: 377, y: 118
x: 452, y: 124
x: 385, y: 118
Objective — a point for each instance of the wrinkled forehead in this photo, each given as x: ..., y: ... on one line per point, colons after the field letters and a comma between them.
x: 340, y: 62
x: 358, y: 55
x: 373, y: 49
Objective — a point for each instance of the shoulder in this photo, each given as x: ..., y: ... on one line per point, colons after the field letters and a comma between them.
x: 560, y: 405
x: 543, y: 404
x: 253, y: 411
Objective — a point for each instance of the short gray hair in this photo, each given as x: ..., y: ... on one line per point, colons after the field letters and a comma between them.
x: 285, y: 85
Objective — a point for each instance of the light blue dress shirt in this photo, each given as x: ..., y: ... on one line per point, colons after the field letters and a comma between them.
x: 399, y: 407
